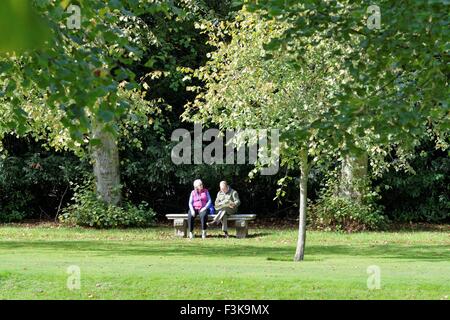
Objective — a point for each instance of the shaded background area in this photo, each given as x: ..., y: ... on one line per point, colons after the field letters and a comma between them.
x: 37, y: 183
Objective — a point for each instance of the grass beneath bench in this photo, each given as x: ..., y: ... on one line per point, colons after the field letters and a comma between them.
x: 153, y: 264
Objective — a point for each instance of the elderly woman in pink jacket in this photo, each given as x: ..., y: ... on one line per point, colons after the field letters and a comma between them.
x: 200, y: 204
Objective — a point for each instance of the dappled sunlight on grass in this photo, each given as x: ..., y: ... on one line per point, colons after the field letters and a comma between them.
x: 154, y: 264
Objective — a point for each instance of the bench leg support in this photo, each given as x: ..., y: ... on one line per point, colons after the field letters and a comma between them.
x: 241, y: 229
x: 180, y: 226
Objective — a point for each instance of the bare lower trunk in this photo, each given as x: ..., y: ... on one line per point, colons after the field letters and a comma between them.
x: 304, y: 168
x: 353, y: 176
x: 106, y: 166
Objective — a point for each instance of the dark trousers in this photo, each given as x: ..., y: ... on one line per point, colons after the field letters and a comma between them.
x: 203, y: 219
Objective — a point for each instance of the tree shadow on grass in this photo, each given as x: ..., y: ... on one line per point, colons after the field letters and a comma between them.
x: 234, y: 249
x: 221, y: 236
x: 291, y: 258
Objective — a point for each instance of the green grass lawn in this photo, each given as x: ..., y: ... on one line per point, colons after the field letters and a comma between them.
x: 153, y: 264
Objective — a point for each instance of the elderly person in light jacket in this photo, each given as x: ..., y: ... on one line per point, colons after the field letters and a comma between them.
x: 199, y: 204
x: 227, y: 203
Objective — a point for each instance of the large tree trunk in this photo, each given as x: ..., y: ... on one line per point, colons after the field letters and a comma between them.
x: 304, y: 171
x: 353, y: 176
x: 106, y: 165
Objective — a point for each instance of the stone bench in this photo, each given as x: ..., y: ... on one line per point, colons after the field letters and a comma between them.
x: 240, y: 221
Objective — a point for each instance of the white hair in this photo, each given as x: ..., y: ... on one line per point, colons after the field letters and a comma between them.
x: 197, y: 182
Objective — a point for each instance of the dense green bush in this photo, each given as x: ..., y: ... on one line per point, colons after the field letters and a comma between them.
x: 35, y: 183
x: 422, y: 195
x: 13, y: 210
x: 13, y: 198
x: 332, y: 212
x: 88, y: 210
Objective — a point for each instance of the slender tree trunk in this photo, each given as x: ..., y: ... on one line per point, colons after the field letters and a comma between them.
x: 353, y: 176
x: 304, y: 171
x: 106, y: 165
